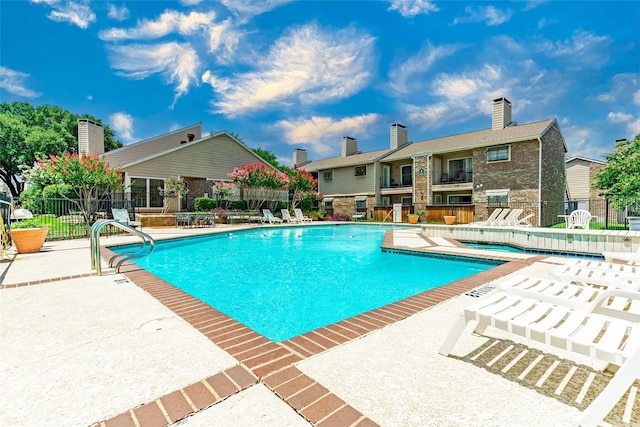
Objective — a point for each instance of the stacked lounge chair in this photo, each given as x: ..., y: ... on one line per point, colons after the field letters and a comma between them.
x: 601, y: 323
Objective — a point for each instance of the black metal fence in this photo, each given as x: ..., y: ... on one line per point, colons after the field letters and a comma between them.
x: 67, y: 219
x: 607, y: 213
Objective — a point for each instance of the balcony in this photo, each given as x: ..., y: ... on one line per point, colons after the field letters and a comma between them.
x: 453, y: 180
x: 391, y: 186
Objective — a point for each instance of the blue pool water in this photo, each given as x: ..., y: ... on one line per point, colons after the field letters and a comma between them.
x: 285, y: 281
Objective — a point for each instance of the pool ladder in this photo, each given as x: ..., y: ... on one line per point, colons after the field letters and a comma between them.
x: 143, y: 250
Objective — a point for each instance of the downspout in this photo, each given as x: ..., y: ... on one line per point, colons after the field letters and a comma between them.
x: 540, y: 209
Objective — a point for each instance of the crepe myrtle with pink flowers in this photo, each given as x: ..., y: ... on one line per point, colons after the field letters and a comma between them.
x: 260, y: 184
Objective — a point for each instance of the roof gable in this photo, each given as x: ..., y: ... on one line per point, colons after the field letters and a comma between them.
x: 141, y: 149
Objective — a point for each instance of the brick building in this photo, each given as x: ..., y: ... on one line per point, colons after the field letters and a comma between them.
x: 475, y: 171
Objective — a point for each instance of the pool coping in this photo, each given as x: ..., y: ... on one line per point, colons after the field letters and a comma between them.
x: 272, y: 364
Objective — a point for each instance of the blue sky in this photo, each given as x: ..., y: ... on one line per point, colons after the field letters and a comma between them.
x: 303, y: 74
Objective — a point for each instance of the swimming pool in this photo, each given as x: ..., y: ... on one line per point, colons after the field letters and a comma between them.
x: 505, y: 247
x: 285, y: 281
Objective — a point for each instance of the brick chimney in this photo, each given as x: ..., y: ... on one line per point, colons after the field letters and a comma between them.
x: 299, y: 157
x: 398, y: 135
x: 501, y: 113
x: 349, y: 146
x: 90, y: 137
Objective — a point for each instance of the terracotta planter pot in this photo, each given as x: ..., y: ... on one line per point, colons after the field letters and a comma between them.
x: 413, y: 219
x: 28, y: 240
x: 449, y: 219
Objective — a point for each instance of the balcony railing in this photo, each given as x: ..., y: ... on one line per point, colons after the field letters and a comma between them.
x: 455, y: 177
x: 393, y: 184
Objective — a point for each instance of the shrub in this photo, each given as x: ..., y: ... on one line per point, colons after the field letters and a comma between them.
x: 31, y: 199
x: 57, y: 198
x: 204, y: 204
x: 339, y: 217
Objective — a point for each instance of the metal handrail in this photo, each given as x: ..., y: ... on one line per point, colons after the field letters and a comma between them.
x: 95, y: 245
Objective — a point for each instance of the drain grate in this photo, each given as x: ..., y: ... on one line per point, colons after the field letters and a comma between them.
x: 477, y: 293
x: 121, y: 281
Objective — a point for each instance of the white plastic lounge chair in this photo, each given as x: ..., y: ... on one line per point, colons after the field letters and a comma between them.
x: 579, y: 218
x: 591, y: 276
x: 623, y: 256
x: 489, y: 220
x: 512, y: 218
x: 300, y: 216
x: 501, y: 216
x: 267, y: 216
x: 122, y: 215
x: 287, y: 217
x: 602, y: 265
x: 576, y: 296
x: 593, y: 330
x: 524, y: 221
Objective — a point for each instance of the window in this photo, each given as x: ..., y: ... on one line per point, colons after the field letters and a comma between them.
x: 459, y: 199
x: 328, y: 204
x: 407, y: 175
x: 145, y: 192
x: 327, y: 175
x: 460, y: 170
x: 407, y: 201
x: 360, y: 171
x: 498, y: 197
x: 498, y: 154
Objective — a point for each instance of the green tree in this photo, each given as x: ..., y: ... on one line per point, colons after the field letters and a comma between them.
x: 620, y: 176
x: 36, y: 132
x: 22, y: 145
x: 268, y: 157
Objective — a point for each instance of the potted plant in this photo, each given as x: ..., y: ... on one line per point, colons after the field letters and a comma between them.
x: 27, y: 235
x: 414, y: 217
x: 450, y: 219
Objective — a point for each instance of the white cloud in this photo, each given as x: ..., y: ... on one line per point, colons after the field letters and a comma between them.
x: 309, y: 66
x: 77, y: 13
x: 633, y: 123
x: 252, y: 7
x: 583, y: 50
x: 545, y: 22
x: 532, y: 4
x: 118, y: 13
x: 122, y: 125
x: 319, y: 134
x: 190, y: 2
x: 619, y: 117
x: 462, y: 97
x: 408, y: 76
x: 223, y: 40
x: 634, y: 127
x: 625, y: 87
x: 176, y: 62
x: 410, y: 8
x: 580, y: 142
x: 168, y: 22
x: 488, y: 14
x: 14, y: 82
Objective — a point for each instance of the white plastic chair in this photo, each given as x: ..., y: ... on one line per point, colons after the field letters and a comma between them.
x: 591, y: 329
x: 579, y: 218
x: 269, y: 217
x: 300, y: 216
x: 622, y: 279
x: 633, y: 257
x: 287, y: 217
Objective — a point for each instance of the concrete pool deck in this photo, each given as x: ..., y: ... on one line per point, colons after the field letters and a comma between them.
x: 124, y: 349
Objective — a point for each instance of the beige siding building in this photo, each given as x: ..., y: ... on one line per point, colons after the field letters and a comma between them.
x: 183, y: 153
x: 506, y: 165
